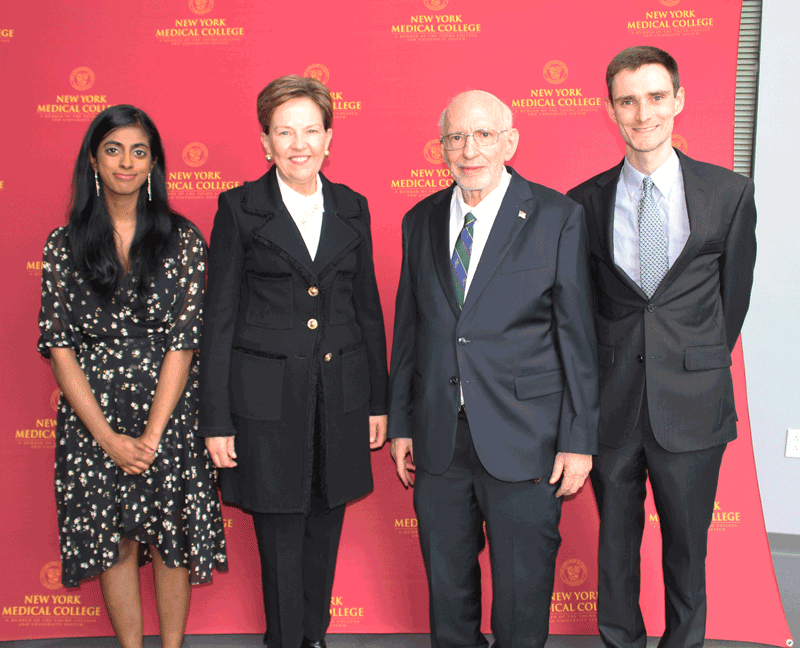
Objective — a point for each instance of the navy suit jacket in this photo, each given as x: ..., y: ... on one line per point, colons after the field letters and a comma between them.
x: 678, y: 343
x: 523, y: 347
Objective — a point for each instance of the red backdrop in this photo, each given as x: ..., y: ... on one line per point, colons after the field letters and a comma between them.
x: 196, y: 66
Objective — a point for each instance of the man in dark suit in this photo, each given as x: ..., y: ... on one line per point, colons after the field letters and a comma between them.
x: 672, y: 254
x: 493, y: 379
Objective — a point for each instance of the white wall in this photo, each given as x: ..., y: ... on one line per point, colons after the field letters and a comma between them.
x: 771, y: 334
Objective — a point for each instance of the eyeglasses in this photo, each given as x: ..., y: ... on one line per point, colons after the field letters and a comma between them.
x: 482, y: 137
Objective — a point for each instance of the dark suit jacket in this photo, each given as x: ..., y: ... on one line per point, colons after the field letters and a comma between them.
x: 679, y: 342
x: 278, y: 326
x: 523, y: 348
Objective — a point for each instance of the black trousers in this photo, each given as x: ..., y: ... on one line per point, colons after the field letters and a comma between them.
x: 298, y: 559
x: 684, y: 486
x: 522, y: 527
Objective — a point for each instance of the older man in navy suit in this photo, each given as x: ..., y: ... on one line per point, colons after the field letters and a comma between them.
x: 672, y: 253
x: 493, y: 379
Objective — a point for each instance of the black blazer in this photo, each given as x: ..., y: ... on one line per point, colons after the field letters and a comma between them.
x: 523, y: 347
x: 278, y: 327
x: 679, y: 342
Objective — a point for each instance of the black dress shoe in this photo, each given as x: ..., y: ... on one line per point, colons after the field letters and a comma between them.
x: 313, y: 644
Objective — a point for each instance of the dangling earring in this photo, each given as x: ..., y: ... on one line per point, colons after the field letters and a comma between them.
x: 327, y: 152
x: 96, y: 183
x: 269, y: 157
x: 149, y: 192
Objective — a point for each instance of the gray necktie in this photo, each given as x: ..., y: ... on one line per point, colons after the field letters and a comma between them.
x: 653, y: 263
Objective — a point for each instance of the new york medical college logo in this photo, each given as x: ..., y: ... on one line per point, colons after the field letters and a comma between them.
x: 81, y: 78
x: 423, y: 181
x: 555, y: 72
x: 39, y: 433
x: 436, y: 26
x: 345, y: 612
x: 319, y: 72
x: 722, y: 519
x: 197, y: 182
x: 432, y: 152
x: 195, y: 154
x: 50, y: 575
x: 342, y: 106
x: 573, y: 572
x: 671, y: 22
x: 201, y: 7
x: 198, y: 28
x: 75, y: 107
x: 47, y: 607
x: 573, y: 603
x: 555, y: 97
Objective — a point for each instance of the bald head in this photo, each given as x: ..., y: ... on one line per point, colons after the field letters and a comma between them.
x: 504, y: 114
x: 489, y: 142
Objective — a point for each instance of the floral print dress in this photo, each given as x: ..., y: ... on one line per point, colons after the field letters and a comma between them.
x: 173, y: 505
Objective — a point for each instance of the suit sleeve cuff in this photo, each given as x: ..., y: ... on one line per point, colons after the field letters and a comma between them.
x: 207, y: 431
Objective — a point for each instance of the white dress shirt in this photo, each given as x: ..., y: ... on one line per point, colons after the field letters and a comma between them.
x: 670, y: 200
x: 306, y: 212
x: 484, y: 212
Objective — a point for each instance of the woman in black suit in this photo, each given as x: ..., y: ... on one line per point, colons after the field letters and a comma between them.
x: 293, y: 358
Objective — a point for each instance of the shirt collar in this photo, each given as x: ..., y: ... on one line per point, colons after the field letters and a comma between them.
x: 295, y: 201
x: 664, y: 177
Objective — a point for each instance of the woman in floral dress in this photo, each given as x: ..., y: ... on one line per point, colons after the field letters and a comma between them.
x: 122, y: 294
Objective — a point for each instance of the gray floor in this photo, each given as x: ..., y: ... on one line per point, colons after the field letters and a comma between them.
x: 334, y: 641
x: 785, y: 555
x: 786, y: 559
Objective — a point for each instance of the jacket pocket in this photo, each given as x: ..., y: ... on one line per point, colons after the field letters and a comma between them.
x: 526, y: 265
x: 540, y: 384
x: 355, y: 377
x: 268, y: 300
x: 707, y: 357
x: 712, y: 246
x: 256, y: 385
x: 605, y: 355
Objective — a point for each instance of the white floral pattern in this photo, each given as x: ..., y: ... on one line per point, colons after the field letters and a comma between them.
x: 174, y: 504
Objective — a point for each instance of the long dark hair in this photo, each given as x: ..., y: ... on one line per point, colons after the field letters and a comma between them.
x: 91, y: 234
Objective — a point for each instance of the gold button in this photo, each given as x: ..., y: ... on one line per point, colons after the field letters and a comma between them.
x: 312, y: 324
x: 328, y: 357
x: 313, y: 291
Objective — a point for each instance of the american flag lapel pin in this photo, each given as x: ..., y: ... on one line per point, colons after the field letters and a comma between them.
x: 522, y: 215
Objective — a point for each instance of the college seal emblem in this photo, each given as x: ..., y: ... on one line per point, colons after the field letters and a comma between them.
x: 195, y: 154
x: 555, y: 72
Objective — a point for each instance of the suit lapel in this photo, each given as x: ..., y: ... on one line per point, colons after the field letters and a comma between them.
x: 506, y: 228
x: 697, y: 192
x: 603, y: 210
x: 263, y: 198
x: 440, y: 247
x: 281, y: 233
x: 336, y: 239
x: 604, y: 205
